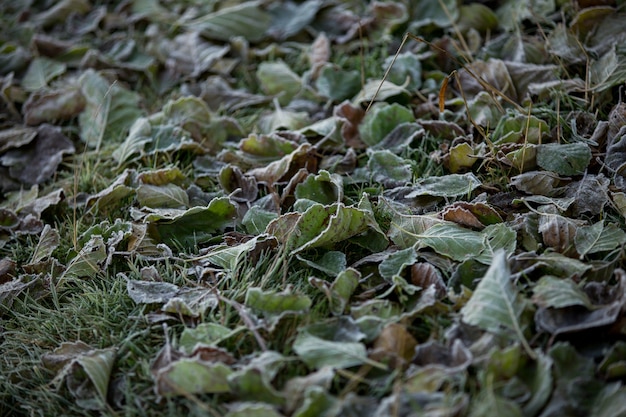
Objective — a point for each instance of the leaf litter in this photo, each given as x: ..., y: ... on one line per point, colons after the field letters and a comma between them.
x: 286, y: 218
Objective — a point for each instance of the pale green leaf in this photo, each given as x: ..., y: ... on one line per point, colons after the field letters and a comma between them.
x: 98, y: 365
x: 330, y: 263
x: 598, y: 238
x: 341, y: 290
x: 88, y: 262
x: 192, y: 226
x: 555, y: 292
x: 163, y: 196
x: 251, y: 409
x: 337, y: 84
x: 49, y: 240
x: 379, y: 90
x: 109, y: 112
x: 496, y: 304
x: 317, y: 352
x: 381, y: 120
x: 389, y: 169
x: 248, y: 20
x: 276, y: 303
x: 564, y: 159
x: 40, y: 72
x: 193, y: 376
x: 453, y: 185
x: 279, y: 80
x: 397, y: 262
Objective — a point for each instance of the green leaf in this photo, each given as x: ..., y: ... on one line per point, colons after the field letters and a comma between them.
x: 195, y: 225
x: 340, y: 291
x: 88, y: 262
x: 251, y: 409
x: 564, y: 159
x: 334, y: 342
x: 337, y: 84
x: 516, y: 128
x: 324, y: 188
x: 404, y: 229
x: 49, y: 240
x: 330, y: 263
x: 538, y: 378
x: 318, y: 353
x: 253, y: 384
x: 98, y: 365
x: 321, y: 226
x: 273, y: 303
x: 389, y: 169
x: 453, y: 185
x: 210, y: 334
x: 256, y: 220
x: 229, y: 256
x: 279, y: 80
x: 109, y: 112
x: 379, y: 90
x: 558, y: 293
x: 406, y: 67
x: 193, y: 376
x: 248, y: 20
x: 496, y: 305
x: 162, y: 196
x: 41, y: 71
x: 598, y: 238
x: 397, y: 262
x: 381, y: 120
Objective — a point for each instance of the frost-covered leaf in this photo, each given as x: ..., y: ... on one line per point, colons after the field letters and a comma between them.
x: 453, y: 185
x: 49, y: 240
x: 38, y: 161
x: 598, y: 238
x: 331, y: 262
x: 318, y: 352
x: 62, y: 104
x: 192, y: 376
x: 89, y: 260
x: 229, y: 256
x: 496, y: 304
x: 389, y: 169
x: 381, y: 120
x: 337, y: 84
x: 162, y: 196
x: 324, y: 188
x: 321, y: 226
x: 340, y: 291
x: 276, y: 303
x: 192, y: 226
x: 86, y: 371
x: 277, y: 79
x: 248, y: 20
x: 151, y: 292
x: 40, y: 72
x: 557, y: 293
x: 109, y: 111
x: 564, y: 159
x: 379, y: 90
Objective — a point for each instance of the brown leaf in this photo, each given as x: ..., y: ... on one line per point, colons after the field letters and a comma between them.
x: 462, y: 216
x: 38, y: 161
x: 351, y: 116
x: 319, y: 54
x: 53, y: 106
x: 394, y: 343
x: 558, y: 232
x: 424, y: 274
